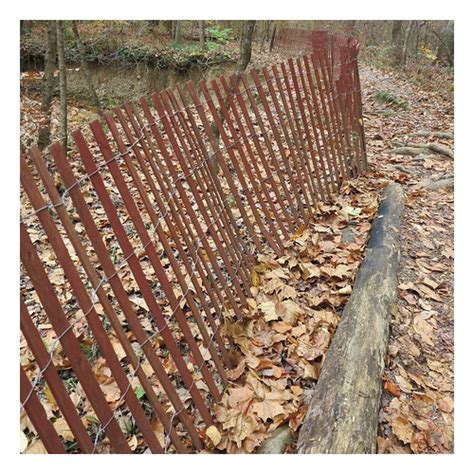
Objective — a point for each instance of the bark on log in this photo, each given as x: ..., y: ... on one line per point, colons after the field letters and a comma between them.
x: 343, y: 414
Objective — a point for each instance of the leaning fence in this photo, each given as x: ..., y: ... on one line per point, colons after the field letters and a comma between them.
x: 137, y: 246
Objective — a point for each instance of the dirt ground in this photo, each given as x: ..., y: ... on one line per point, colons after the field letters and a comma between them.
x: 418, y: 400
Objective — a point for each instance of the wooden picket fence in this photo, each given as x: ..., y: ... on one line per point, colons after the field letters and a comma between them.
x: 138, y: 245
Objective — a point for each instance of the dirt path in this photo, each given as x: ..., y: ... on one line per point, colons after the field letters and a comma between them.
x: 417, y: 403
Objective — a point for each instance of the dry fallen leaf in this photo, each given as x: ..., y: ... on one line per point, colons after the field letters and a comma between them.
x: 402, y: 429
x: 63, y: 430
x: 392, y: 388
x: 213, y: 434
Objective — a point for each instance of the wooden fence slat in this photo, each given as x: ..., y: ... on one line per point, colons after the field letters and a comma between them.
x: 326, y: 172
x: 164, y: 240
x: 189, y: 219
x: 87, y: 306
x: 318, y: 188
x: 251, y: 166
x: 223, y: 165
x: 105, y: 261
x: 290, y: 135
x: 253, y: 137
x: 109, y: 269
x: 56, y: 385
x: 70, y: 344
x: 154, y: 258
x: 207, y: 180
x: 134, y: 264
x: 37, y: 415
x: 302, y: 170
x: 268, y: 143
x: 176, y: 220
x: 189, y: 209
x: 275, y: 244
x: 296, y: 156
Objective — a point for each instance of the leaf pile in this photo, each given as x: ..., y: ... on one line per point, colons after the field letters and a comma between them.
x: 295, y: 309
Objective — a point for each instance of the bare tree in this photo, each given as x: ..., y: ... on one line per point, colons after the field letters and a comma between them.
x: 177, y: 31
x: 397, y: 41
x: 272, y: 41
x: 44, y: 133
x: 202, y: 35
x: 445, y: 52
x: 406, y: 42
x: 49, y: 66
x: 62, y: 82
x: 85, y: 68
x: 168, y: 25
x: 248, y: 28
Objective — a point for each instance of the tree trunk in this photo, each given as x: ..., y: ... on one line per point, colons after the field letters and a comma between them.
x: 397, y: 41
x: 85, y: 68
x: 406, y: 42
x: 25, y: 27
x: 173, y: 29
x: 168, y: 25
x: 445, y: 51
x: 49, y: 66
x: 62, y: 82
x: 272, y: 41
x: 245, y: 46
x: 202, y: 35
x: 177, y: 31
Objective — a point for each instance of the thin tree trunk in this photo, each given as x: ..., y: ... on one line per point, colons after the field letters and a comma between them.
x: 85, y: 68
x: 445, y: 51
x: 44, y: 133
x: 62, y: 82
x: 406, y: 42
x: 245, y: 46
x: 202, y: 35
x: 272, y: 41
x: 168, y: 25
x: 397, y: 41
x: 173, y: 29
x: 49, y: 66
x: 177, y: 31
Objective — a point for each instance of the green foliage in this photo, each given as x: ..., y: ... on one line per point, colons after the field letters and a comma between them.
x: 219, y: 35
x: 139, y: 392
x: 387, y: 97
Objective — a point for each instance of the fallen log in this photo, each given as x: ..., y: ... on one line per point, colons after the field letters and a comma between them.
x: 343, y: 414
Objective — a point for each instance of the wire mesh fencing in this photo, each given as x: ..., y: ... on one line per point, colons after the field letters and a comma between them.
x: 138, y: 244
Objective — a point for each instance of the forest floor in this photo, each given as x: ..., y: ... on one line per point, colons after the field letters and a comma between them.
x: 417, y: 404
x: 298, y: 298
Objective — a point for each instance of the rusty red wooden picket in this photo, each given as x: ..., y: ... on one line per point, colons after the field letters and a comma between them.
x: 137, y: 245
